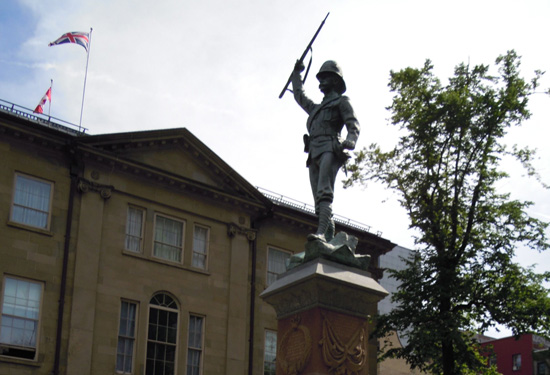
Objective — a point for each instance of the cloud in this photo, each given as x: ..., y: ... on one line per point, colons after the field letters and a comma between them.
x: 33, y: 65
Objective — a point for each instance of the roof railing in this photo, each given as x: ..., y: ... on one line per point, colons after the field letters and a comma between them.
x: 281, y: 200
x: 42, y: 119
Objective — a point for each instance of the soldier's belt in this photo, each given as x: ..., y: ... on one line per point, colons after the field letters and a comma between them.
x: 323, y: 136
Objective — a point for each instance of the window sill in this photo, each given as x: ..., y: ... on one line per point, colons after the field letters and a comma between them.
x: 19, y: 361
x: 198, y: 270
x: 165, y: 262
x: 29, y: 228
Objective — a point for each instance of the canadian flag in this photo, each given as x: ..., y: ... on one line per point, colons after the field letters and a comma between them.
x: 40, y: 107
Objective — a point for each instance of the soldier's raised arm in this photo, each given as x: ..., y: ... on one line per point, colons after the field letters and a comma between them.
x: 298, y: 88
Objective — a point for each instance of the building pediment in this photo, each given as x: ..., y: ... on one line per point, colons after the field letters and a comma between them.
x: 174, y: 156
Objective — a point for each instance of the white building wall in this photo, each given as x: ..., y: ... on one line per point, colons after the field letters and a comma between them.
x: 392, y: 260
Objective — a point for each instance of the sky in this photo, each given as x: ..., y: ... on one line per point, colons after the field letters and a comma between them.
x: 216, y: 67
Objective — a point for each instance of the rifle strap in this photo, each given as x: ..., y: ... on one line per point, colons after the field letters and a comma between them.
x: 309, y: 64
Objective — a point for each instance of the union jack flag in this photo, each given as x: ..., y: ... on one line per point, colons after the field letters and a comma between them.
x: 73, y: 37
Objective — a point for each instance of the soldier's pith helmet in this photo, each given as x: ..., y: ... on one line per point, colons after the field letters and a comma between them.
x: 331, y: 66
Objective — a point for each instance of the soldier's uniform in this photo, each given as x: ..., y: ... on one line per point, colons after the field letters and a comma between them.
x: 326, y: 154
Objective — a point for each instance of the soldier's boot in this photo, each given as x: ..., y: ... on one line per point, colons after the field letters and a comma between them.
x: 325, y: 218
x: 331, y: 230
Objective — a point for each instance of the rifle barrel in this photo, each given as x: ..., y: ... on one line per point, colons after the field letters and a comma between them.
x: 304, y: 55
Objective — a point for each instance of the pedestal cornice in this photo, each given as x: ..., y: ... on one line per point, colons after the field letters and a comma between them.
x: 326, y: 284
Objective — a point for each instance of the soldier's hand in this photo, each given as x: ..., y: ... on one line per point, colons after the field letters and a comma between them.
x: 348, y: 145
x: 299, y: 66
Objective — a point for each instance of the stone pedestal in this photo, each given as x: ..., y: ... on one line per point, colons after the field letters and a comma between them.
x: 323, y: 310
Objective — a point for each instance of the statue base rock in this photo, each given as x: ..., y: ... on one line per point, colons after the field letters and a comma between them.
x: 341, y: 249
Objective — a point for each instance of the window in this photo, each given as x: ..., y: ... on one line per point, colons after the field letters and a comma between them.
x: 20, y: 317
x: 200, y: 246
x: 194, y: 345
x: 276, y: 263
x: 134, y: 229
x: 270, y: 352
x: 542, y: 368
x: 162, y: 335
x: 31, y: 202
x: 516, y: 362
x: 126, y: 337
x: 168, y: 239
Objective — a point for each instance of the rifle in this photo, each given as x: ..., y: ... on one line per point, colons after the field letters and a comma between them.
x: 308, y: 48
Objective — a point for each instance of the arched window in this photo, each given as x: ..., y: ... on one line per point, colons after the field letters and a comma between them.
x: 162, y: 335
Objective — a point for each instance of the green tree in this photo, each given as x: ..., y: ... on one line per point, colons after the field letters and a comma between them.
x: 444, y: 168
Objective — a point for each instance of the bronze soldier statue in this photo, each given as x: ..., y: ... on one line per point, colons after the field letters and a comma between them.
x: 327, y: 151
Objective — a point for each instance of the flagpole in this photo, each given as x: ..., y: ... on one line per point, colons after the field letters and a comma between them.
x: 50, y: 104
x: 85, y: 76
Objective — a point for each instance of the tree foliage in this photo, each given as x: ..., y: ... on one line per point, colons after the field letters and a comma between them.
x: 445, y: 168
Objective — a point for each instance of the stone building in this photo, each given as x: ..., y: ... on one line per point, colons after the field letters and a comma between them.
x: 138, y: 253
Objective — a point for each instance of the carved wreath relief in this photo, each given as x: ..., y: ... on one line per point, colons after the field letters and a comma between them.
x: 295, y: 348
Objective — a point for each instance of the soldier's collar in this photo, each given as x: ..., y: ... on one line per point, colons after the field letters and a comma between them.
x: 331, y: 96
